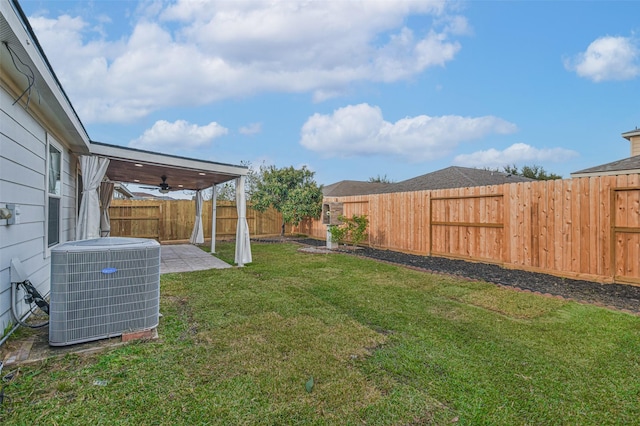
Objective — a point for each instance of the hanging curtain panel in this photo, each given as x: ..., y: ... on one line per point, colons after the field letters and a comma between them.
x: 214, y: 212
x: 197, y: 236
x: 93, y: 170
x: 106, y: 194
x: 243, y: 243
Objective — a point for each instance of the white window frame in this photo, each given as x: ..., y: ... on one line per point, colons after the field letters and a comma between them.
x: 52, y: 143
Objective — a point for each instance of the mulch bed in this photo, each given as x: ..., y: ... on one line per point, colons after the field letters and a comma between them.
x: 617, y: 296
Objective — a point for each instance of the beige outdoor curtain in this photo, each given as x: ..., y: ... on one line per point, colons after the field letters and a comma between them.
x: 243, y: 243
x: 106, y: 194
x: 197, y: 235
x: 214, y: 211
x: 93, y: 170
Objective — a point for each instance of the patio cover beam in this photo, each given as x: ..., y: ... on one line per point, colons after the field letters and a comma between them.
x: 146, y: 168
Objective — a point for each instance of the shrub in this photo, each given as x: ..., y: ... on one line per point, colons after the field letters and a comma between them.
x: 352, y: 229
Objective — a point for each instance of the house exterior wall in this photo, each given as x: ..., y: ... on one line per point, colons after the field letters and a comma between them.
x: 635, y: 145
x: 23, y: 181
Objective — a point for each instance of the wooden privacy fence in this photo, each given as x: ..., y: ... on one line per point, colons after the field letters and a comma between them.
x: 581, y: 228
x: 172, y: 220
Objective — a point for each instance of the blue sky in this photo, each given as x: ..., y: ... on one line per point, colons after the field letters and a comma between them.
x: 353, y: 89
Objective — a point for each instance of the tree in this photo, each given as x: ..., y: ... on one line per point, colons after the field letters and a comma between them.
x: 227, y: 191
x: 533, y: 172
x: 292, y: 192
x: 380, y: 179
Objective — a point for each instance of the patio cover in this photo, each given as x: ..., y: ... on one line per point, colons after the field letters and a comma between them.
x: 146, y: 168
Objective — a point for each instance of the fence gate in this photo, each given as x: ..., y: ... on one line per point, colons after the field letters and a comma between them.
x: 625, y: 235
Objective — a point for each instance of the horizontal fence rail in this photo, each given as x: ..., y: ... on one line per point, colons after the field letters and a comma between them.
x: 173, y: 220
x: 585, y: 228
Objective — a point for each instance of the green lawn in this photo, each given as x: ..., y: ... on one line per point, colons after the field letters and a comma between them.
x: 384, y: 345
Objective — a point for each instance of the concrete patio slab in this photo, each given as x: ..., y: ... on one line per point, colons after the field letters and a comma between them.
x: 187, y: 258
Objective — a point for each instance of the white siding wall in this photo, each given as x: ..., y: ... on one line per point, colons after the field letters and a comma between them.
x: 23, y: 148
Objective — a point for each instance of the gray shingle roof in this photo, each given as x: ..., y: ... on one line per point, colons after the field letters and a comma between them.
x: 624, y: 166
x: 457, y: 177
x: 345, y: 188
x: 451, y: 177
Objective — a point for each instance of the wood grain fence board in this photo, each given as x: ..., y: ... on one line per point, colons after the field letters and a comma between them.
x: 584, y: 210
x: 418, y: 232
x: 612, y: 226
x: 526, y: 223
x: 414, y: 231
x: 544, y: 226
x: 593, y: 226
x: 469, y: 239
x: 482, y: 243
x: 508, y: 230
x: 534, y: 226
x: 546, y: 242
x: 518, y: 236
x: 427, y: 222
x: 549, y: 214
x: 498, y: 207
x: 603, y: 215
x: 618, y: 216
x: 455, y: 230
x: 399, y: 209
x: 516, y: 225
x: 601, y: 232
x: 558, y: 242
x: 573, y: 226
x: 566, y: 248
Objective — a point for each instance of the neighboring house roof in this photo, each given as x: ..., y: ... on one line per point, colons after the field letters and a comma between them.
x: 631, y: 133
x: 122, y: 190
x: 630, y: 165
x: 451, y: 177
x: 147, y: 196
x: 457, y: 177
x: 621, y: 167
x: 345, y: 188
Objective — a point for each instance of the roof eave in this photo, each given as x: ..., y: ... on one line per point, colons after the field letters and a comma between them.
x: 628, y: 135
x: 605, y: 173
x: 58, y: 110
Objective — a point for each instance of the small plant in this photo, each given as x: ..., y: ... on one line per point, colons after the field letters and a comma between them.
x: 352, y: 229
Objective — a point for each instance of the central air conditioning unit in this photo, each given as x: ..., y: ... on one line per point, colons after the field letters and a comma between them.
x: 103, y: 288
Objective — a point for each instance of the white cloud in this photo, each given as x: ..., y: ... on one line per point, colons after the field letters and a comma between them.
x: 195, y: 53
x: 518, y: 153
x: 251, y: 129
x: 361, y: 130
x: 168, y: 137
x: 607, y: 58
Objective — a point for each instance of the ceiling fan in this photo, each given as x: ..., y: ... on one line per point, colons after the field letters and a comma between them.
x: 163, y: 186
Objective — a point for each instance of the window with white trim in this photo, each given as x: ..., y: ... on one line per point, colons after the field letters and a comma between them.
x: 54, y: 195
